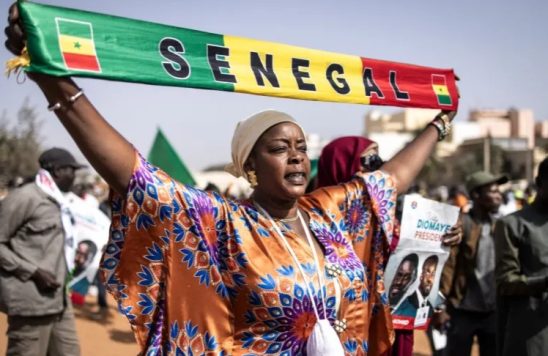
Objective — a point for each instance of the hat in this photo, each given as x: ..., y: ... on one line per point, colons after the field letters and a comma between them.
x: 58, y: 157
x: 479, y: 179
x: 247, y: 133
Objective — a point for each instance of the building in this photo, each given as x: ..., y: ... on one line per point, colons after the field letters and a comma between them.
x: 493, y: 139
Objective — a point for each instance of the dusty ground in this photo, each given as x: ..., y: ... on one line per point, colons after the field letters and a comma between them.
x: 111, y: 336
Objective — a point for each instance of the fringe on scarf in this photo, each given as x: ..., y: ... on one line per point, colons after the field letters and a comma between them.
x: 16, y: 63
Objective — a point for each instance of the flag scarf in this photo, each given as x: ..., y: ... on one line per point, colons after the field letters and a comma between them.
x: 68, y: 42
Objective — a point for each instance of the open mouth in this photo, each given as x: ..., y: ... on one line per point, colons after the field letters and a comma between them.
x: 297, y: 178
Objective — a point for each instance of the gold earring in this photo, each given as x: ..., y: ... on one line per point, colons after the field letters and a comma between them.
x: 252, y: 177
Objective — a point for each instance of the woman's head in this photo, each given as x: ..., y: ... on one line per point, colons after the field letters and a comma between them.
x: 341, y: 159
x: 271, y: 146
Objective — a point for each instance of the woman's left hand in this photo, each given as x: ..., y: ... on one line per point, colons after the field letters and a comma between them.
x: 453, y: 236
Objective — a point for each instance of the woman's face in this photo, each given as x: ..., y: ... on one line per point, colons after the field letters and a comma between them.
x: 280, y: 162
x: 373, y: 149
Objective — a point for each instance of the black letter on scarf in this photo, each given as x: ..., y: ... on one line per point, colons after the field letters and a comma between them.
x: 370, y: 85
x: 218, y: 64
x: 342, y: 87
x: 400, y: 95
x: 172, y: 49
x: 268, y: 72
x: 295, y: 64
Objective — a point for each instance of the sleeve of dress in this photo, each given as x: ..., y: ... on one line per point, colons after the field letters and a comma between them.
x: 161, y: 265
x: 379, y: 195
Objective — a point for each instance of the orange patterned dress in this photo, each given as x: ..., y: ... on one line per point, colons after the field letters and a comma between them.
x: 198, y: 274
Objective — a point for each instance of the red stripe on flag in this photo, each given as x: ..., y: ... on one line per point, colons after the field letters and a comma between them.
x: 438, y: 79
x: 412, y: 79
x: 81, y: 62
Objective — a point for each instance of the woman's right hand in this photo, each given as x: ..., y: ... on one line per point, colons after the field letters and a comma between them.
x: 440, y: 320
x: 109, y: 153
x: 15, y: 34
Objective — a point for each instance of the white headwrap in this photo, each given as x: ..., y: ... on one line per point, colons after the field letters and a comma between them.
x: 247, y: 133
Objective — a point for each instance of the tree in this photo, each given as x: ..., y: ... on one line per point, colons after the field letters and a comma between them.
x: 20, y: 144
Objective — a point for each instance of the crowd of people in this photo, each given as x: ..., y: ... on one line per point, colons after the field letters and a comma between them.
x: 283, y: 271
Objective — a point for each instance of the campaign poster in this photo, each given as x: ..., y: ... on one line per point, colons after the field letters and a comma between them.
x: 414, y: 269
x: 91, y: 233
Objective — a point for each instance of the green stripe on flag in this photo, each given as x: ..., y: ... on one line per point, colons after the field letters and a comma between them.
x: 74, y: 28
x: 127, y: 49
x: 444, y: 99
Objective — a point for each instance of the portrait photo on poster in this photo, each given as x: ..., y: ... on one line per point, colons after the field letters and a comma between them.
x: 414, y: 270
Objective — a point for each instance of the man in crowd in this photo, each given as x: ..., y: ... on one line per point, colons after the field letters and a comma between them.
x: 521, y: 242
x: 468, y: 278
x: 404, y: 277
x: 419, y: 299
x: 33, y: 268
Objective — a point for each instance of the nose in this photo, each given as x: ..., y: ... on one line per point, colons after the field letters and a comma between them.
x: 296, y: 156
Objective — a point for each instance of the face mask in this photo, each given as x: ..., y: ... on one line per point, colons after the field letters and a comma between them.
x: 371, y: 162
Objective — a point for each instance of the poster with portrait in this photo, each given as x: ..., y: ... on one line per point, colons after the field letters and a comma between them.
x: 414, y: 270
x: 91, y: 235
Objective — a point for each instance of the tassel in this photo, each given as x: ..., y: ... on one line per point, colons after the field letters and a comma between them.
x: 16, y: 63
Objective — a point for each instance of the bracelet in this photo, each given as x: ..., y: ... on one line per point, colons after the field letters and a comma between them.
x: 75, y: 97
x: 56, y: 106
x: 441, y: 130
x: 446, y: 122
x: 442, y: 124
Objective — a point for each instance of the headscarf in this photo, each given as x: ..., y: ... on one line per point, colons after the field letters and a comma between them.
x: 340, y: 159
x: 247, y: 133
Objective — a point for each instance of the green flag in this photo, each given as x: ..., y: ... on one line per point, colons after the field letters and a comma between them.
x: 163, y: 155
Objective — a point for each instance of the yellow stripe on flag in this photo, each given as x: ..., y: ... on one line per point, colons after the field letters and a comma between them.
x: 282, y: 59
x: 76, y: 45
x: 441, y: 89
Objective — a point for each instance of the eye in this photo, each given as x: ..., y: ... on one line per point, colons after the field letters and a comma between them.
x: 303, y: 149
x: 278, y: 149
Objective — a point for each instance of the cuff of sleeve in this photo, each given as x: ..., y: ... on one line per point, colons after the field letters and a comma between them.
x: 25, y: 270
x: 537, y: 284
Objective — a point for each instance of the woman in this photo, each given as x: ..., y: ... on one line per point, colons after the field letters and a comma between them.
x: 339, y: 161
x: 278, y: 273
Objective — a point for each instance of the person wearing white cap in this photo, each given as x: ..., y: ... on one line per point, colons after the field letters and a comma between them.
x: 280, y: 273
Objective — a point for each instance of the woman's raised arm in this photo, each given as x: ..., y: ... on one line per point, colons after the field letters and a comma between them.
x: 109, y: 153
x: 406, y: 164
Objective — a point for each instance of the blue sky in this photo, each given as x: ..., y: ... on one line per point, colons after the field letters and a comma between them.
x: 498, y: 48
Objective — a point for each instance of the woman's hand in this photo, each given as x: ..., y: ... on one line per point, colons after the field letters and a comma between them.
x: 453, y: 236
x: 450, y: 114
x: 109, y: 153
x: 16, y: 38
x: 440, y: 320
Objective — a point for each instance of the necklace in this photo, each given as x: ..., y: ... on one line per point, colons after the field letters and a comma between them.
x: 298, y: 264
x: 323, y: 339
